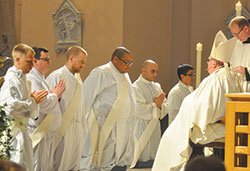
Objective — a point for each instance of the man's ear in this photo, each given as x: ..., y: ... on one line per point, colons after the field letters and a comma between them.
x: 18, y: 59
x: 35, y: 61
x: 214, y: 63
x: 143, y: 70
x: 182, y: 76
x: 115, y: 59
x: 246, y: 29
x: 71, y: 59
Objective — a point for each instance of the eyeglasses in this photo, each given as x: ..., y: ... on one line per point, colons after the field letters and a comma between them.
x: 126, y: 62
x: 44, y: 59
x: 237, y: 34
x: 192, y: 74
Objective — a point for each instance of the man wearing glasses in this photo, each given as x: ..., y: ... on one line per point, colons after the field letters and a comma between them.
x: 183, y: 88
x: 109, y: 105
x: 43, y: 150
x: 239, y: 27
x: 200, y: 118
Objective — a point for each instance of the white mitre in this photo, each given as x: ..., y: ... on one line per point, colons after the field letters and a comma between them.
x: 222, y: 48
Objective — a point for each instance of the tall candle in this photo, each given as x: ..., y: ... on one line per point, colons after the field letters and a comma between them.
x: 198, y: 64
x: 238, y: 8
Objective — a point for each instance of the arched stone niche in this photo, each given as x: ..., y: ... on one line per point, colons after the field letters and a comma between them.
x: 68, y: 27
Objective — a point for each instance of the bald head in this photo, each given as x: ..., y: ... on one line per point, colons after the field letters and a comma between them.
x: 241, y: 21
x: 239, y: 27
x: 74, y: 51
x: 149, y: 61
x: 149, y: 70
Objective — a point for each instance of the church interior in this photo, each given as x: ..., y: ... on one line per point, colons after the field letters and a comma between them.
x: 166, y: 31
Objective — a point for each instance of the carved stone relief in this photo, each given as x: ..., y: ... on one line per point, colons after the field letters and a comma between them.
x: 4, y: 47
x: 68, y: 27
x: 9, y: 37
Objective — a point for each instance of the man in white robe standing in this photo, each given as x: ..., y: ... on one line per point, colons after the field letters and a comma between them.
x: 240, y: 28
x: 49, y: 109
x: 151, y: 105
x: 69, y: 137
x: 22, y: 104
x: 201, y: 111
x: 183, y: 88
x: 109, y: 105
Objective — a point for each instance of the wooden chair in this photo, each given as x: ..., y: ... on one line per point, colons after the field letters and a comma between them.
x: 237, y: 141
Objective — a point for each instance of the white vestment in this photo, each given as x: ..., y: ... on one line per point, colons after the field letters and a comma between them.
x: 16, y: 93
x: 43, y: 152
x: 241, y: 57
x: 146, y: 111
x: 69, y: 151
x: 100, y: 92
x: 196, y: 121
x: 175, y: 98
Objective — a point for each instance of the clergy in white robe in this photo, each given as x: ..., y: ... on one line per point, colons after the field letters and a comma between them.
x: 44, y: 149
x: 109, y: 105
x: 151, y: 105
x: 200, y: 111
x: 183, y: 88
x: 240, y: 28
x: 22, y: 104
x: 69, y: 137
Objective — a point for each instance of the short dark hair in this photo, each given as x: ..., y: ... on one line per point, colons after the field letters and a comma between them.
x: 202, y: 163
x: 183, y: 69
x: 38, y: 51
x: 119, y: 52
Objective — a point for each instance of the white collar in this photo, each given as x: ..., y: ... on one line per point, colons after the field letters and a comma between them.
x: 68, y: 71
x: 19, y: 72
x: 114, y: 68
x: 183, y: 85
x: 37, y: 73
x: 144, y: 80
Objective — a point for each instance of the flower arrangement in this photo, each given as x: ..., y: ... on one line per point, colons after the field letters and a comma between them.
x: 5, y: 134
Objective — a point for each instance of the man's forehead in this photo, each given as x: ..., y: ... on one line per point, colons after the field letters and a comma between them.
x: 127, y: 56
x: 190, y: 71
x: 234, y: 26
x: 83, y: 57
x: 152, y: 66
x: 44, y: 53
